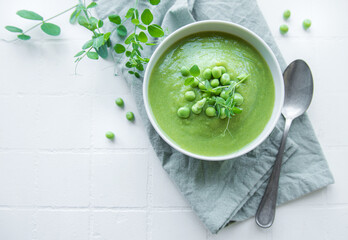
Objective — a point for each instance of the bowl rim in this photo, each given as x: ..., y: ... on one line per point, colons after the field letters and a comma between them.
x: 247, y: 148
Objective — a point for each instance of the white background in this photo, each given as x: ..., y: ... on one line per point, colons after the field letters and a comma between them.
x: 60, y: 178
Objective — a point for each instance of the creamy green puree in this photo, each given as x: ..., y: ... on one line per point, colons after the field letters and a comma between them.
x: 201, y: 134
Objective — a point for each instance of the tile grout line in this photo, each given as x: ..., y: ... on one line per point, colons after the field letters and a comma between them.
x: 149, y: 208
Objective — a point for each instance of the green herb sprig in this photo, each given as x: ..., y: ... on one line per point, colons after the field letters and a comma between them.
x: 98, y: 46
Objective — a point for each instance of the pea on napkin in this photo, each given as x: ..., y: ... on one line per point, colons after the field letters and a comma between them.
x: 227, y: 191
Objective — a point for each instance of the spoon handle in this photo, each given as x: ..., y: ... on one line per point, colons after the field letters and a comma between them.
x: 266, y: 211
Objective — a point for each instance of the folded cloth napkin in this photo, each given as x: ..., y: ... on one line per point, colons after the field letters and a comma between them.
x: 227, y: 191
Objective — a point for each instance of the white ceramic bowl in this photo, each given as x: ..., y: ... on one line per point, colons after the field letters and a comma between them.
x: 248, y: 36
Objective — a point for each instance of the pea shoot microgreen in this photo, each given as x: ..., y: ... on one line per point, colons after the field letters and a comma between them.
x: 132, y: 41
x: 224, y: 99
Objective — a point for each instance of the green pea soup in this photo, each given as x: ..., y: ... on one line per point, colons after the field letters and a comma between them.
x: 200, y: 134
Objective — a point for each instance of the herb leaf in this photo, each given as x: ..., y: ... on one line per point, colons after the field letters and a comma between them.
x: 122, y: 31
x: 142, y: 37
x: 88, y: 44
x: 79, y: 53
x: 92, y: 5
x: 155, y: 30
x: 189, y: 81
x: 147, y: 17
x: 155, y: 2
x: 115, y: 19
x: 93, y: 55
x: 130, y: 13
x: 29, y: 15
x: 195, y: 71
x: 23, y: 37
x: 119, y: 48
x: 13, y: 29
x: 50, y: 29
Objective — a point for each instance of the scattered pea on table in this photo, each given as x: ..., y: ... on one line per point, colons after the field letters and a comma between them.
x: 119, y: 102
x: 130, y: 116
x: 210, y: 112
x: 207, y: 73
x: 283, y: 28
x: 306, y: 24
x: 216, y: 72
x: 190, y: 96
x: 286, y: 14
x: 109, y: 135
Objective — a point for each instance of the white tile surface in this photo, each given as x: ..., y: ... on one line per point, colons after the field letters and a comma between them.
x: 62, y: 225
x: 119, y: 225
x: 18, y: 179
x: 60, y: 178
x: 177, y: 225
x: 17, y: 224
x: 63, y: 179
x: 119, y: 180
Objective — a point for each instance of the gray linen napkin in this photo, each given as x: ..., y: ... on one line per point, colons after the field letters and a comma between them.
x: 227, y: 191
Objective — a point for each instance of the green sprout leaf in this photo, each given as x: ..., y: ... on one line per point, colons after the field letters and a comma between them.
x: 82, y: 20
x: 129, y: 38
x: 155, y: 2
x: 119, y: 48
x: 142, y: 37
x: 92, y: 5
x: 29, y: 15
x: 93, y: 55
x: 137, y: 75
x: 155, y: 30
x: 128, y: 53
x: 115, y: 19
x: 50, y: 29
x: 23, y: 37
x: 100, y: 23
x: 236, y: 110
x: 13, y: 29
x: 74, y: 16
x: 150, y: 44
x: 147, y: 17
x: 130, y: 13
x: 79, y: 53
x: 128, y: 65
x: 107, y: 36
x: 88, y: 44
x: 189, y: 81
x: 102, y: 51
x: 130, y: 72
x: 122, y: 31
x: 98, y: 42
x: 142, y: 27
x: 195, y: 71
x: 135, y: 21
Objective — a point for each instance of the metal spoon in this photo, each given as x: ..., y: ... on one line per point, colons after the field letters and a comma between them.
x: 298, y: 82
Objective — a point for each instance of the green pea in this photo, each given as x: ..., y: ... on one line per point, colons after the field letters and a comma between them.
x: 119, y: 102
x: 184, y: 71
x: 225, y: 79
x: 238, y: 98
x: 306, y: 24
x: 214, y: 83
x: 224, y: 95
x: 201, y: 86
x: 110, y: 135
x: 198, y: 106
x: 183, y: 112
x: 207, y: 73
x: 216, y: 72
x: 210, y: 112
x: 223, y: 113
x: 217, y: 91
x: 206, y: 94
x: 195, y: 83
x: 223, y: 69
x: 190, y: 96
x: 130, y: 116
x: 283, y: 28
x: 286, y: 14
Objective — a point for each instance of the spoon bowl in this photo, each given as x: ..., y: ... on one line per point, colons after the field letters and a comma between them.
x: 298, y: 83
